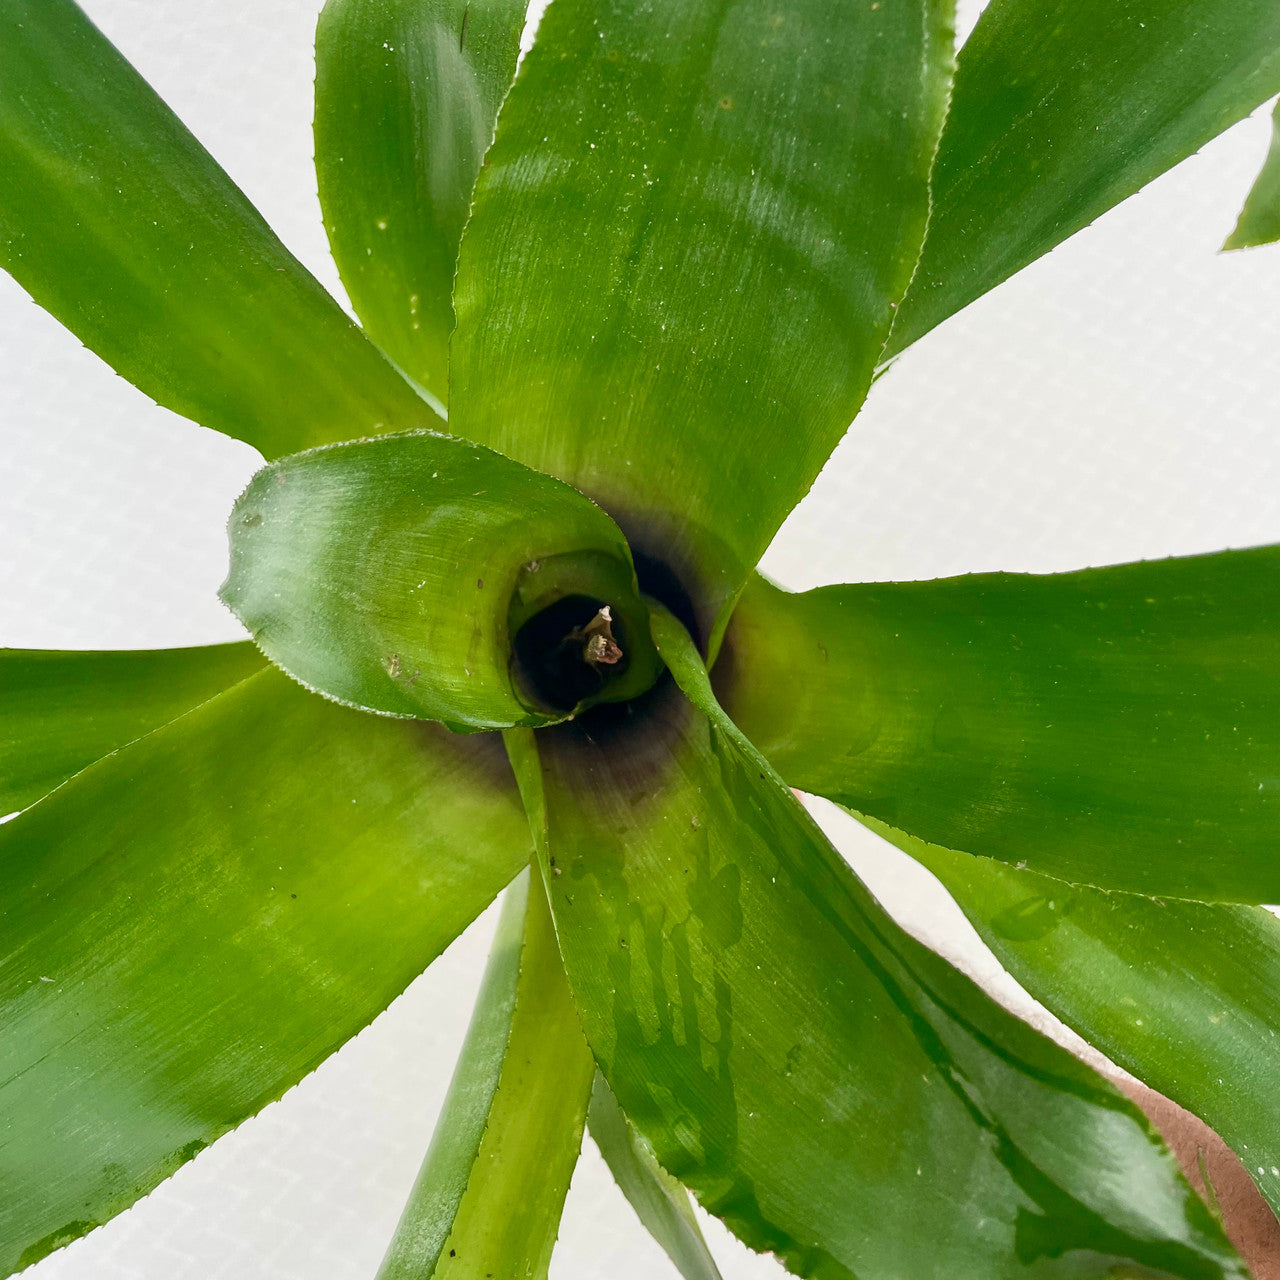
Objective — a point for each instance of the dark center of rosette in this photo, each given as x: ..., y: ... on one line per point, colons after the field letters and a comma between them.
x: 579, y: 626
x: 570, y: 651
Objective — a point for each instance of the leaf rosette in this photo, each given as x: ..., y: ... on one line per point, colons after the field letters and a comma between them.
x: 649, y: 279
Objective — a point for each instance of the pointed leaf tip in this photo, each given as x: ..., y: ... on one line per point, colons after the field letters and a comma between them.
x: 1259, y: 221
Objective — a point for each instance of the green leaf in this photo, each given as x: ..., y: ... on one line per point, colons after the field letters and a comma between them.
x: 684, y: 253
x: 1259, y: 221
x: 1063, y: 108
x: 62, y: 710
x: 660, y: 1202
x: 194, y: 923
x: 490, y: 1194
x: 115, y: 219
x: 837, y: 1093
x: 406, y: 574
x: 1117, y: 727
x: 1184, y: 995
x: 407, y: 92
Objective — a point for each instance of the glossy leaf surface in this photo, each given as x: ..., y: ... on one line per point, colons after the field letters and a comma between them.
x: 60, y: 710
x: 660, y: 1202
x: 407, y: 92
x: 1063, y: 108
x: 488, y: 1199
x: 115, y: 219
x: 1259, y: 221
x: 1184, y: 995
x: 1117, y: 727
x: 389, y: 574
x: 834, y: 1091
x: 194, y: 923
x: 684, y: 253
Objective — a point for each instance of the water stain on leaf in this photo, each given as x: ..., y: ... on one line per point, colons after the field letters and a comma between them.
x: 1033, y: 917
x: 55, y: 1240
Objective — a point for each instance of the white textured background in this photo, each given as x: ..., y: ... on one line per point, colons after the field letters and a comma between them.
x: 1115, y: 401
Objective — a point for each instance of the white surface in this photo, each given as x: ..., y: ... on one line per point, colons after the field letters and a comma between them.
x: 1116, y: 400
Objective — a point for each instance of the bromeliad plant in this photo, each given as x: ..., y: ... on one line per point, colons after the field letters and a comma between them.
x: 652, y: 306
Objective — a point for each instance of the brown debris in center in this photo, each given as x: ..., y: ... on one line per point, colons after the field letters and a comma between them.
x: 599, y: 648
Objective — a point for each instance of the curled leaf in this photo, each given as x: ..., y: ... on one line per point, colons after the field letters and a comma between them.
x: 418, y: 575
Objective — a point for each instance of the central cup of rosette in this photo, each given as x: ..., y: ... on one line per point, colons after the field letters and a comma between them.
x: 419, y: 575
